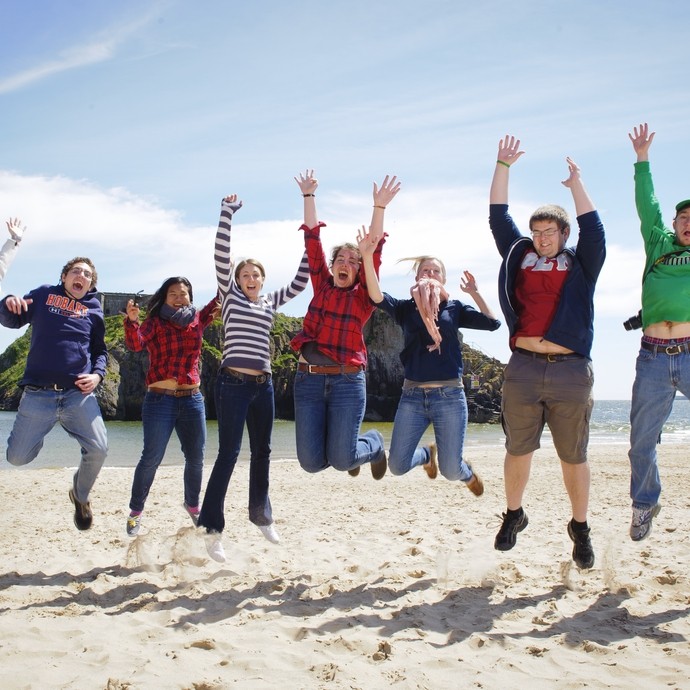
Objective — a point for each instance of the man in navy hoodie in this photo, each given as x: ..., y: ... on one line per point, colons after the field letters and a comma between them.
x: 66, y: 362
x: 546, y: 292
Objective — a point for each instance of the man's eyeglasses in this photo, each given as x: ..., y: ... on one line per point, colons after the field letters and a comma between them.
x: 536, y: 234
x: 76, y: 271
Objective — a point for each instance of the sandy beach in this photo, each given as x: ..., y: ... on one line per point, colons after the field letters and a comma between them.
x: 375, y: 585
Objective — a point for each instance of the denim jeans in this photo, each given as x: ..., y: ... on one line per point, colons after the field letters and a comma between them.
x: 237, y: 402
x: 657, y: 378
x: 160, y: 414
x: 78, y: 414
x: 446, y: 409
x: 329, y: 409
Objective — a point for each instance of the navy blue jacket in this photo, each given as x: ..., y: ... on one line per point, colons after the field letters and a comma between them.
x: 573, y: 322
x: 420, y: 364
x: 67, y: 336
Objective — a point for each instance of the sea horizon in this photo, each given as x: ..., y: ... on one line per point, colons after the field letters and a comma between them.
x: 609, y: 425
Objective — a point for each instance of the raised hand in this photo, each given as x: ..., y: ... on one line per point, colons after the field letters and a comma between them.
x: 367, y: 241
x: 508, y: 150
x: 574, y: 175
x: 16, y: 229
x: 384, y: 194
x: 468, y: 284
x: 641, y: 141
x: 307, y: 182
x: 231, y: 201
x: 132, y: 310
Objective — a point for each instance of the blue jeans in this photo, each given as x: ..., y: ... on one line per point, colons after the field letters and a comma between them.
x: 237, y: 402
x: 446, y: 409
x: 160, y: 414
x: 329, y: 409
x: 79, y: 415
x: 657, y: 378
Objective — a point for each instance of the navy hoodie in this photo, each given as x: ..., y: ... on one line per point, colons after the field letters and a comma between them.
x: 67, y: 336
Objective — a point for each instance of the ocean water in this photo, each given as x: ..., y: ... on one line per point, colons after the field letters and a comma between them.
x: 609, y: 425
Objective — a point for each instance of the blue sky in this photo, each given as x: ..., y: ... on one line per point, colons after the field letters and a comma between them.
x: 124, y: 123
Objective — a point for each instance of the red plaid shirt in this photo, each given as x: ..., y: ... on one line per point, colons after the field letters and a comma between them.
x: 335, y: 317
x: 173, y: 351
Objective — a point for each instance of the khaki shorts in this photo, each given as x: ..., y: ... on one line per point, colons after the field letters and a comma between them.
x: 537, y: 392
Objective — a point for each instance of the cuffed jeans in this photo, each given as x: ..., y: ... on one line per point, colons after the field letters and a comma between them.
x: 237, y: 402
x: 329, y: 409
x: 160, y: 414
x: 444, y: 407
x: 657, y: 378
x: 78, y: 414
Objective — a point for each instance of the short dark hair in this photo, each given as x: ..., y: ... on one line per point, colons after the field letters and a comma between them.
x: 80, y: 260
x: 551, y: 212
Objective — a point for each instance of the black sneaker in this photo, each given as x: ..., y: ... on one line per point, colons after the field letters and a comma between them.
x: 583, y: 553
x: 507, y: 535
x: 83, y: 517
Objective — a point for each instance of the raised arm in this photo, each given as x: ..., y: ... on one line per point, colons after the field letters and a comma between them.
x: 383, y: 195
x: 583, y: 204
x: 641, y: 141
x: 9, y: 248
x: 508, y: 153
x: 308, y: 185
x: 469, y: 285
x: 367, y: 243
x: 221, y: 254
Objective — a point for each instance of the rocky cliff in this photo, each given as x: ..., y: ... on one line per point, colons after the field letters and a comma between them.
x: 121, y: 394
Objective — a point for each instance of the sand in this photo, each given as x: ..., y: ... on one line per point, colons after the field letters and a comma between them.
x: 389, y: 584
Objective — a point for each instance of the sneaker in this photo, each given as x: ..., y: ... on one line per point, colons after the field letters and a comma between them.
x: 214, y: 546
x: 269, y: 531
x: 379, y: 467
x: 193, y: 513
x: 507, y: 535
x: 641, y: 524
x: 83, y: 517
x: 354, y: 471
x: 431, y: 467
x: 133, y: 525
x: 583, y: 553
x: 475, y: 484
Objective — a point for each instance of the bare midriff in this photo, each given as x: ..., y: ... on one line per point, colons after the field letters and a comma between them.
x: 537, y: 344
x: 668, y: 330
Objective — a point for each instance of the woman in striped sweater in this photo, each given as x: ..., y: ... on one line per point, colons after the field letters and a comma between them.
x: 244, y: 389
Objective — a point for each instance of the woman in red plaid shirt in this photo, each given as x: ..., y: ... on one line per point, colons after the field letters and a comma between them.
x: 172, y: 334
x: 330, y: 384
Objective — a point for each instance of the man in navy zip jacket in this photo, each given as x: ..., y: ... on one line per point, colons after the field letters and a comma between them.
x: 66, y: 362
x: 546, y: 293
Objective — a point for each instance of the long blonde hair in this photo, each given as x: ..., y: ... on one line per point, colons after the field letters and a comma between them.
x: 419, y: 260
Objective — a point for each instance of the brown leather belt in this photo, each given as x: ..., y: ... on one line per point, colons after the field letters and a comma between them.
x: 328, y: 368
x: 174, y: 392
x: 549, y: 356
x: 252, y: 378
x: 675, y: 349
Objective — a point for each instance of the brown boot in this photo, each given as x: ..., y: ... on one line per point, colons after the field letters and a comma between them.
x: 431, y: 467
x: 475, y: 484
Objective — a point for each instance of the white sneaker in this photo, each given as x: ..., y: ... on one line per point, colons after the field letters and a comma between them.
x: 641, y: 524
x: 214, y: 546
x: 269, y: 531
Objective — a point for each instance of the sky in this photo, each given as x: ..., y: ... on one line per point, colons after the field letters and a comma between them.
x: 125, y: 123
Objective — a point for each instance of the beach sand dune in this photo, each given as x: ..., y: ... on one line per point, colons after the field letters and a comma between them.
x: 389, y: 584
